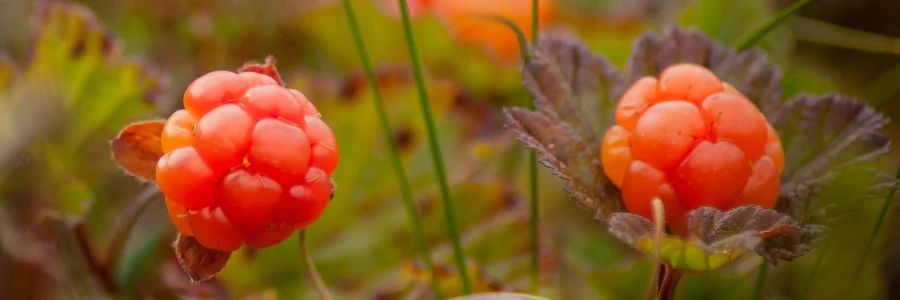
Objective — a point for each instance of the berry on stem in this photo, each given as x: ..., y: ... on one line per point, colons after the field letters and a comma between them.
x: 247, y: 161
x: 691, y: 141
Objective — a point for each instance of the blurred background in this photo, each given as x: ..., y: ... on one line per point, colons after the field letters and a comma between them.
x: 73, y: 73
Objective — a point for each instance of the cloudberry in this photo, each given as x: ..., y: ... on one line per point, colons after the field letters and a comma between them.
x: 246, y: 162
x: 692, y: 141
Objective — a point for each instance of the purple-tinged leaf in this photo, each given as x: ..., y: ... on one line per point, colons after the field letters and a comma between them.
x: 716, y: 237
x: 775, y: 236
x: 820, y: 135
x: 748, y: 71
x: 575, y: 93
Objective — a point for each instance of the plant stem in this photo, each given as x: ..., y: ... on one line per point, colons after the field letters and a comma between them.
x: 399, y: 172
x: 123, y: 226
x: 750, y: 40
x: 883, y: 87
x: 812, y: 273
x: 760, y: 280
x: 324, y: 294
x: 872, y: 236
x: 669, y: 282
x: 532, y: 173
x: 94, y: 264
x: 449, y: 213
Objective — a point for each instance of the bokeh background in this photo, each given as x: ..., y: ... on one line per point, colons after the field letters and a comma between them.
x: 73, y: 73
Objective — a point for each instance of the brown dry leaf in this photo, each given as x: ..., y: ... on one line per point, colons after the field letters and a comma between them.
x: 199, y: 262
x: 575, y: 93
x: 137, y: 148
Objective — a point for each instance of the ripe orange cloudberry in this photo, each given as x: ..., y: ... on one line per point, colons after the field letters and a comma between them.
x: 692, y: 141
x: 246, y: 161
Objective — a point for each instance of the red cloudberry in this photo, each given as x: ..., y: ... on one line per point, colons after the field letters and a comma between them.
x: 691, y: 141
x: 246, y: 162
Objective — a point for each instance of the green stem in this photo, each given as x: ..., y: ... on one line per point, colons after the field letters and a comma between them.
x: 883, y: 87
x: 532, y: 173
x: 760, y: 280
x: 396, y: 163
x: 825, y: 33
x: 436, y: 157
x: 872, y: 236
x: 324, y: 294
x: 750, y: 40
x: 812, y: 273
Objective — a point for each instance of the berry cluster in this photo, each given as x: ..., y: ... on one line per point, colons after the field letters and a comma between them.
x: 691, y: 141
x: 246, y: 162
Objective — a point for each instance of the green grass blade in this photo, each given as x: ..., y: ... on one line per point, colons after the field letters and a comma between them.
x: 884, y: 86
x: 833, y: 35
x: 754, y: 37
x: 440, y: 172
x: 399, y: 172
x: 872, y: 236
x: 532, y: 173
x: 804, y: 294
x: 760, y: 280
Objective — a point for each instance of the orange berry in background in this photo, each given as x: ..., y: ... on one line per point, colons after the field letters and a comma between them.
x: 466, y: 19
x: 691, y: 141
x: 246, y: 162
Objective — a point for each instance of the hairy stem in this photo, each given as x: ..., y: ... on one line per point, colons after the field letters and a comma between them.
x: 436, y: 157
x: 123, y: 226
x: 324, y: 294
x: 94, y: 264
x: 668, y: 283
x: 399, y: 172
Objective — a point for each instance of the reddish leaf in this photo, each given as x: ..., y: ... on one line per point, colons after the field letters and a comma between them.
x: 138, y: 148
x: 199, y: 262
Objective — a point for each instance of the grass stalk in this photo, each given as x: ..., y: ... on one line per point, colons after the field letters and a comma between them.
x: 874, y: 235
x: 754, y: 37
x: 396, y: 163
x: 440, y: 172
x: 532, y: 173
